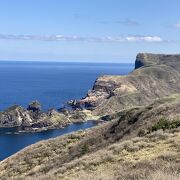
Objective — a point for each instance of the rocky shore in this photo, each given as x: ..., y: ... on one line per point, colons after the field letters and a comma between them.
x: 154, y: 76
x: 140, y: 139
x: 33, y: 119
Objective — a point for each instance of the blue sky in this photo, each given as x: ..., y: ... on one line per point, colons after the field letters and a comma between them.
x: 87, y: 30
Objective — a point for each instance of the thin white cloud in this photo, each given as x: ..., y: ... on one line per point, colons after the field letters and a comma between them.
x: 177, y: 25
x: 111, y: 39
x: 144, y: 39
x: 128, y: 22
x: 125, y: 22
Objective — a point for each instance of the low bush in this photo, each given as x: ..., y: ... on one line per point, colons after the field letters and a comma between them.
x: 165, y: 124
x: 84, y: 149
x: 141, y: 132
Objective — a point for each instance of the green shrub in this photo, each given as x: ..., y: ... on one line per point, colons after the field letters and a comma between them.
x: 165, y: 124
x: 141, y: 132
x: 132, y: 120
x: 84, y: 149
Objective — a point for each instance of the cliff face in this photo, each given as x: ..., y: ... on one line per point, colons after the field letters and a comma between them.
x: 15, y: 116
x: 147, y: 59
x: 155, y: 76
x: 32, y: 118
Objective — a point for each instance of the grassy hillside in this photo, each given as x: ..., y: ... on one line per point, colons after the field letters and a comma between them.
x: 138, y: 143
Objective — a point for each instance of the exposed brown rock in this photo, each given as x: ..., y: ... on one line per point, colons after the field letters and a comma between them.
x: 155, y: 76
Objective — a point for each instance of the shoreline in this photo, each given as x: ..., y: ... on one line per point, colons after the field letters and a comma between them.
x: 37, y: 130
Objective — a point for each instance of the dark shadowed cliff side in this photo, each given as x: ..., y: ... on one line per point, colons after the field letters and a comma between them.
x: 147, y: 59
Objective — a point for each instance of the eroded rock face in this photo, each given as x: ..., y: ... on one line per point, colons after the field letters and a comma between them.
x: 32, y: 117
x: 148, y: 59
x: 155, y: 76
x: 15, y: 116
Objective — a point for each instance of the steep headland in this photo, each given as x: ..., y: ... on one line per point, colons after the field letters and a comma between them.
x: 155, y: 76
x: 139, y: 141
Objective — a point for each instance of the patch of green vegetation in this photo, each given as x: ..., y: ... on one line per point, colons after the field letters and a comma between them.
x: 84, y: 149
x: 75, y: 136
x: 142, y: 132
x: 132, y: 120
x: 165, y: 124
x: 78, y: 115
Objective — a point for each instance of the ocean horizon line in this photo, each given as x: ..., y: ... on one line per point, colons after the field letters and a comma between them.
x: 71, y: 62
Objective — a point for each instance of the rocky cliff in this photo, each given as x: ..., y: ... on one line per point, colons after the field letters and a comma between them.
x: 32, y: 118
x: 155, y: 76
x: 147, y: 59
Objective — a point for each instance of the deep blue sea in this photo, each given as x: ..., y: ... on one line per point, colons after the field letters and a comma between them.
x: 11, y: 141
x: 51, y: 83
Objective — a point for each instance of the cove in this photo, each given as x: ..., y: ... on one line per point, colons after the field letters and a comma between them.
x: 11, y: 141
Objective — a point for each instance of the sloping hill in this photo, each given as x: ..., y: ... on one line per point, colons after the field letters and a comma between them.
x: 112, y: 144
x: 155, y: 76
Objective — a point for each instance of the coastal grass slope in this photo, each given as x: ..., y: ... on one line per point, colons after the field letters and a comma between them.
x: 139, y: 139
x: 145, y: 139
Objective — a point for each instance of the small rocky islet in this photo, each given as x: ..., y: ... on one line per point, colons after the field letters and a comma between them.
x: 140, y: 139
x: 32, y: 118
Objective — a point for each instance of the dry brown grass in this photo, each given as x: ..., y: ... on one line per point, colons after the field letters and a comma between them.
x: 151, y: 157
x: 140, y: 158
x: 109, y: 151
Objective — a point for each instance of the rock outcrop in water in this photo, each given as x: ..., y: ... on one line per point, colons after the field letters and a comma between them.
x: 32, y: 118
x: 15, y: 116
x: 34, y: 106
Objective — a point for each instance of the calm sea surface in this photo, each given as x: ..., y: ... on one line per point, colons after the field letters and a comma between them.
x: 51, y: 83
